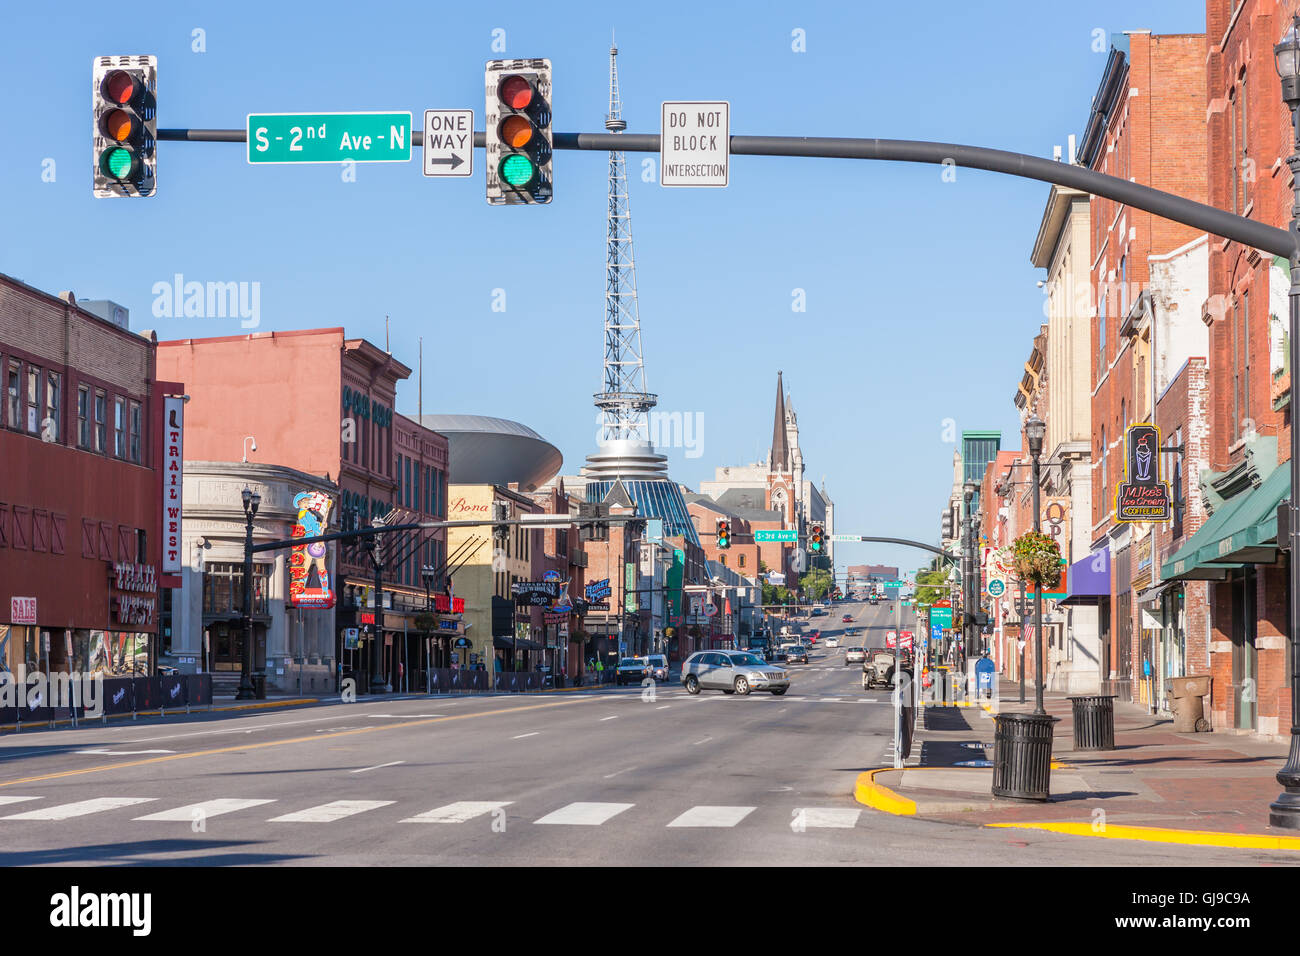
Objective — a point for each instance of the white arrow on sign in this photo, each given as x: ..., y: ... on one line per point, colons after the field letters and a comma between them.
x: 448, y: 142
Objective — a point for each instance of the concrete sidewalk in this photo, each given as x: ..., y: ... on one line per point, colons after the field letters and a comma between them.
x: 1210, y: 788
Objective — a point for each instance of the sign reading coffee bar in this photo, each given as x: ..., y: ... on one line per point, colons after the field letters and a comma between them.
x: 1142, y: 496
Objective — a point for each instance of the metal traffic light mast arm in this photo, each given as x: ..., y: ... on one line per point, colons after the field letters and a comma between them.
x: 1218, y: 222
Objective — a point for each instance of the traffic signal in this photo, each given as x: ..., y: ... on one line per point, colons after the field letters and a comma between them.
x: 724, y: 533
x: 125, y: 126
x: 818, y: 538
x: 517, y: 127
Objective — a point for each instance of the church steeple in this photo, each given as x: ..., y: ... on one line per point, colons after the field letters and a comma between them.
x: 779, y: 460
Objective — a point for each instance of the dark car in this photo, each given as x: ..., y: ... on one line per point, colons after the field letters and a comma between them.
x: 632, y: 670
x: 796, y: 654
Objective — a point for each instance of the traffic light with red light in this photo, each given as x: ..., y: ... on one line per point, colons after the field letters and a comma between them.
x: 125, y: 126
x: 817, y: 540
x: 517, y: 127
x: 724, y: 533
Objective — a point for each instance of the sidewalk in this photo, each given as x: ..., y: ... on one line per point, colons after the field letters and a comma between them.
x: 1211, y: 788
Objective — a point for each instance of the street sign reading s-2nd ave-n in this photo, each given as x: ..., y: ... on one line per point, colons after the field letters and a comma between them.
x: 329, y: 137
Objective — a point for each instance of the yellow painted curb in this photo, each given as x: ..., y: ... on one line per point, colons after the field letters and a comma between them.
x: 262, y: 706
x: 1241, y: 841
x: 880, y: 797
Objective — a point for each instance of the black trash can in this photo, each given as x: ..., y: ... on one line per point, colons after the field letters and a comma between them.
x: 1094, y: 722
x: 1022, y: 756
x: 259, y: 686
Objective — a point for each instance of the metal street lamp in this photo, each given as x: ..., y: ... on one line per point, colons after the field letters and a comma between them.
x: 251, y: 501
x: 1035, y: 429
x: 970, y: 587
x: 1284, y: 812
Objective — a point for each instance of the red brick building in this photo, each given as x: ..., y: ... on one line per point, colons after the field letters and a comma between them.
x: 81, y: 489
x: 321, y: 403
x: 1148, y: 125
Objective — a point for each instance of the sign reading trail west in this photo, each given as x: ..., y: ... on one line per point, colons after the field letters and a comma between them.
x: 329, y: 137
x: 695, y: 143
x: 448, y: 142
x: 1143, y: 496
x: 790, y: 535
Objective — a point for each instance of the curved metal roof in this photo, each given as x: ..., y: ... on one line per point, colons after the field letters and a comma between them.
x: 486, y: 450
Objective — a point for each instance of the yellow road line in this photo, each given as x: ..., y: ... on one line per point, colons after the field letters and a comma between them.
x: 1241, y: 841
x: 278, y: 743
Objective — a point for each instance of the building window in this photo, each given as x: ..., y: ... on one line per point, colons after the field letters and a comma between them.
x: 33, y: 397
x: 1103, y: 455
x: 15, y: 395
x: 741, y: 561
x: 119, y: 427
x: 101, y: 420
x: 135, y: 432
x: 53, y: 406
x: 83, y: 416
x: 1123, y: 285
x: 1245, y: 355
x: 1243, y: 163
x: 1101, y: 331
x: 1236, y: 373
x: 1232, y: 156
x: 405, y: 478
x: 223, y: 588
x: 723, y: 559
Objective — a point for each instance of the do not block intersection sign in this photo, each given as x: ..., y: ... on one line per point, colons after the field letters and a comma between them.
x: 695, y: 143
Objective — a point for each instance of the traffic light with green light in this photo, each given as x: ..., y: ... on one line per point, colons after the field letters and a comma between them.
x: 817, y: 540
x: 125, y: 126
x: 724, y: 533
x: 517, y: 127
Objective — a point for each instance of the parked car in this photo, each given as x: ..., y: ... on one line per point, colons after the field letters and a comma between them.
x: 631, y: 670
x: 854, y: 655
x: 658, y: 666
x: 878, y: 669
x: 732, y: 672
x: 795, y: 653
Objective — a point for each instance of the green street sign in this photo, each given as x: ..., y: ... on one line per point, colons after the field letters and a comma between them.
x: 329, y: 137
x: 942, y: 616
x: 792, y: 535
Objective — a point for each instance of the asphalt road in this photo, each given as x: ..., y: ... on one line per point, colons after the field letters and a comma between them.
x: 620, y: 776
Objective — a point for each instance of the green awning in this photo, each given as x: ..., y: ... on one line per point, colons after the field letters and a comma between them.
x: 1240, y: 532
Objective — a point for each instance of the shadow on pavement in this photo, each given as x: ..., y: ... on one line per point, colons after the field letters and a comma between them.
x: 108, y: 854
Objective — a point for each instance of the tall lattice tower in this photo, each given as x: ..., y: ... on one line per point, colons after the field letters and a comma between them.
x: 624, y: 401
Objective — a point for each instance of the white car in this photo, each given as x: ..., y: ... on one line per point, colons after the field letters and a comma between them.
x: 832, y: 642
x: 855, y: 655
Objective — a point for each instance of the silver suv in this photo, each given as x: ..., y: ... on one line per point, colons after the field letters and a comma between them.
x: 732, y: 672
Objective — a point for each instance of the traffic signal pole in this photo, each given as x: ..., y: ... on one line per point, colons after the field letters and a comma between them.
x: 1219, y: 222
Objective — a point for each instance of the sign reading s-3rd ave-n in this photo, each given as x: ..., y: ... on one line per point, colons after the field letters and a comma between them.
x: 329, y: 137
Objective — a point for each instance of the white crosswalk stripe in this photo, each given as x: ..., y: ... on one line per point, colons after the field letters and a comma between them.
x: 329, y: 812
x: 705, y: 816
x: 81, y: 808
x: 585, y: 814
x: 458, y: 812
x: 5, y: 800
x: 826, y: 817
x: 203, y: 810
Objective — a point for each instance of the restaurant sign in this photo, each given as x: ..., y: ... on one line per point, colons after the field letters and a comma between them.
x: 1142, y: 496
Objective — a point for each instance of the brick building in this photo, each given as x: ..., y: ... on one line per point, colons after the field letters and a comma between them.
x: 1147, y: 124
x: 81, y: 489
x: 276, y: 390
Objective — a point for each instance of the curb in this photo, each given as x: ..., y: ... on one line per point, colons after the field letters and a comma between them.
x: 1240, y: 841
x: 879, y: 797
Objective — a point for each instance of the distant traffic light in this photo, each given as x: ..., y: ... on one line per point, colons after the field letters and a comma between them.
x: 724, y: 533
x: 125, y: 126
x: 946, y: 530
x: 517, y: 127
x: 818, y: 538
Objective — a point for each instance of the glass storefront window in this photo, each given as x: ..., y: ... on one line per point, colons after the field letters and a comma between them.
x: 223, y: 588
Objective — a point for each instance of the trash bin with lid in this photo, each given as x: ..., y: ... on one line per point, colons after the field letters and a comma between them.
x: 1188, y: 695
x: 1094, y: 722
x: 259, y: 686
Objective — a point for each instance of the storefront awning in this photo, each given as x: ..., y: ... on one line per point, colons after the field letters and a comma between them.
x: 1089, y: 579
x: 520, y: 644
x: 1242, y: 531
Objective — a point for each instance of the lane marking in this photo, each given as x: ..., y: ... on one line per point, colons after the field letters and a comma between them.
x: 827, y: 817
x: 617, y: 772
x: 329, y: 812
x: 81, y: 808
x: 458, y: 812
x: 280, y: 743
x: 5, y: 800
x: 704, y: 741
x: 585, y: 814
x: 378, y: 766
x: 712, y: 816
x: 207, y: 808
x: 613, y: 717
x: 663, y: 707
x: 522, y: 736
x: 124, y: 753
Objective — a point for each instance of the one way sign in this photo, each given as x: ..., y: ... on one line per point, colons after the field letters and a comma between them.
x: 448, y: 142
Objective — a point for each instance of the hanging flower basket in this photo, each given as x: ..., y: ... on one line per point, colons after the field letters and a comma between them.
x: 1037, y: 559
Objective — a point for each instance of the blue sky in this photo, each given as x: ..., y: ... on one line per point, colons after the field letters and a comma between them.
x: 920, y: 299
